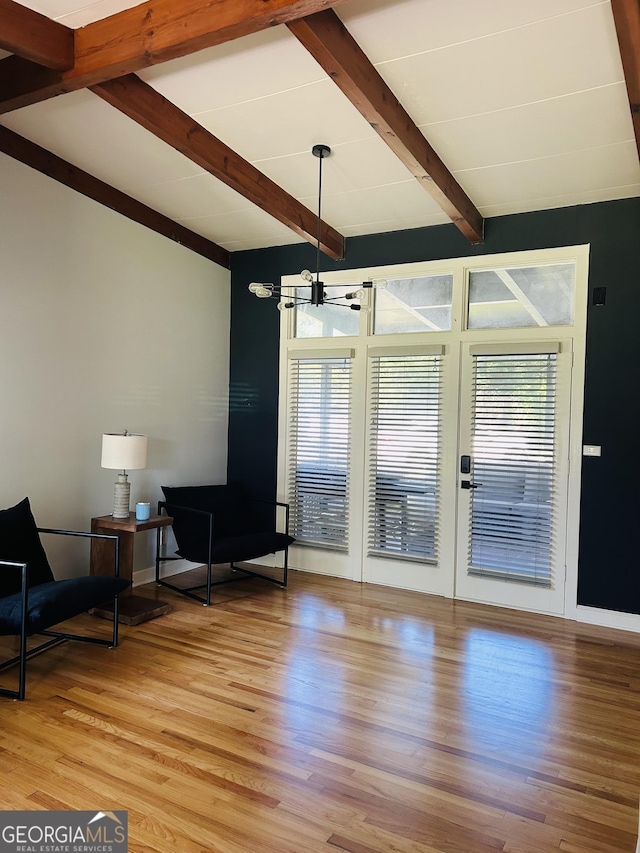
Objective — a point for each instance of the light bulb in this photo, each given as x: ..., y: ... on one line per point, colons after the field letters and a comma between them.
x: 306, y: 275
x: 282, y: 306
x: 379, y: 283
x: 356, y: 294
x: 261, y: 289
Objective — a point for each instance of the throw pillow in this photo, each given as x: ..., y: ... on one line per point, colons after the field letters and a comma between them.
x: 20, y: 543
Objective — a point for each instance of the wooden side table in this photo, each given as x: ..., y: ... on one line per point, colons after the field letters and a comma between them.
x: 132, y: 609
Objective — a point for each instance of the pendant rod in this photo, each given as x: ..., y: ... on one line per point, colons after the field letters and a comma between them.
x: 320, y: 151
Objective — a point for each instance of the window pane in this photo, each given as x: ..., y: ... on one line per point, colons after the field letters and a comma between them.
x: 514, y: 423
x: 327, y: 321
x: 414, y: 305
x: 521, y: 296
x: 405, y: 433
x: 320, y: 394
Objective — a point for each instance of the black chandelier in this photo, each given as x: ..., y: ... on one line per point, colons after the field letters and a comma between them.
x: 316, y: 294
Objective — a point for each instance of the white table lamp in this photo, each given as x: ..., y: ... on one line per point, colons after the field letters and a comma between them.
x: 123, y: 452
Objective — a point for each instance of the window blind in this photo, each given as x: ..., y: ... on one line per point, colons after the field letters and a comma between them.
x: 318, y: 450
x: 403, y: 456
x: 514, y: 424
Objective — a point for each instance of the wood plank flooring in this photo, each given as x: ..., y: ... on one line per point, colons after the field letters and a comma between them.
x: 334, y: 716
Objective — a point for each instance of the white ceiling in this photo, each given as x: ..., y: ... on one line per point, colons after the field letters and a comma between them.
x: 525, y: 102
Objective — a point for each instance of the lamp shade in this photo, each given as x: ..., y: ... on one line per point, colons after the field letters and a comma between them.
x: 124, y: 452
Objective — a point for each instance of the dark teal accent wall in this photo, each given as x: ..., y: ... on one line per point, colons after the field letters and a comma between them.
x: 609, y: 576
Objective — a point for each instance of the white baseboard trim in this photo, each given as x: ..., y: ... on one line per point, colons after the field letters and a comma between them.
x: 175, y: 567
x: 607, y: 618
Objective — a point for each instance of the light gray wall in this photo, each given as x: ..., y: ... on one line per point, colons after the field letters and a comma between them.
x: 104, y: 325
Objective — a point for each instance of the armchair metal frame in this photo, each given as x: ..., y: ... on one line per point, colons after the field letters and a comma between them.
x: 190, y: 591
x: 57, y: 637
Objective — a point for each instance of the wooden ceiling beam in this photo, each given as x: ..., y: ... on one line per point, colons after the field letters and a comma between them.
x: 35, y: 37
x: 149, y: 108
x: 60, y: 170
x: 145, y: 35
x: 326, y: 38
x: 626, y: 14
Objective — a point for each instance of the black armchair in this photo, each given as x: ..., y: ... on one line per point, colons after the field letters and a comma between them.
x: 32, y: 601
x: 216, y: 525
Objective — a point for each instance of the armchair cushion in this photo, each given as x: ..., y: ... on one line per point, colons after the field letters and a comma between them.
x: 20, y: 543
x: 50, y: 603
x: 248, y: 546
x: 223, y: 501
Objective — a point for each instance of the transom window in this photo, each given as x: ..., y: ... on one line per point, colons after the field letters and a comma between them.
x: 494, y: 296
x: 521, y: 296
x: 419, y: 304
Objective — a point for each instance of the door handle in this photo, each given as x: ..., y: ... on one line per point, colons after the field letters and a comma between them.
x: 466, y: 484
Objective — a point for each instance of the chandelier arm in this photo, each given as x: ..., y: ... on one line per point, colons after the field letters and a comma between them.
x: 335, y: 301
x: 292, y: 298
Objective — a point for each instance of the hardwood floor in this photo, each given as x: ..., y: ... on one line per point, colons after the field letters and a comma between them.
x: 334, y: 716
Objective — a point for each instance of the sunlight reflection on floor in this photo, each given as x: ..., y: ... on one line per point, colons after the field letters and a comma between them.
x: 508, y: 693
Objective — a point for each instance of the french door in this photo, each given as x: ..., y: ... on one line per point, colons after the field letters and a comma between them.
x: 408, y: 452
x: 513, y: 474
x: 464, y: 484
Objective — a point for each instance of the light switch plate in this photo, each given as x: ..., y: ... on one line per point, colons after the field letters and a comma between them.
x: 591, y: 450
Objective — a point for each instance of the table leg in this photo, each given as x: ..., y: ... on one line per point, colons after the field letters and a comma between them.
x: 132, y: 609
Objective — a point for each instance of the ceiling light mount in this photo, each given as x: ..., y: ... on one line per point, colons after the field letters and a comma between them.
x: 321, y: 151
